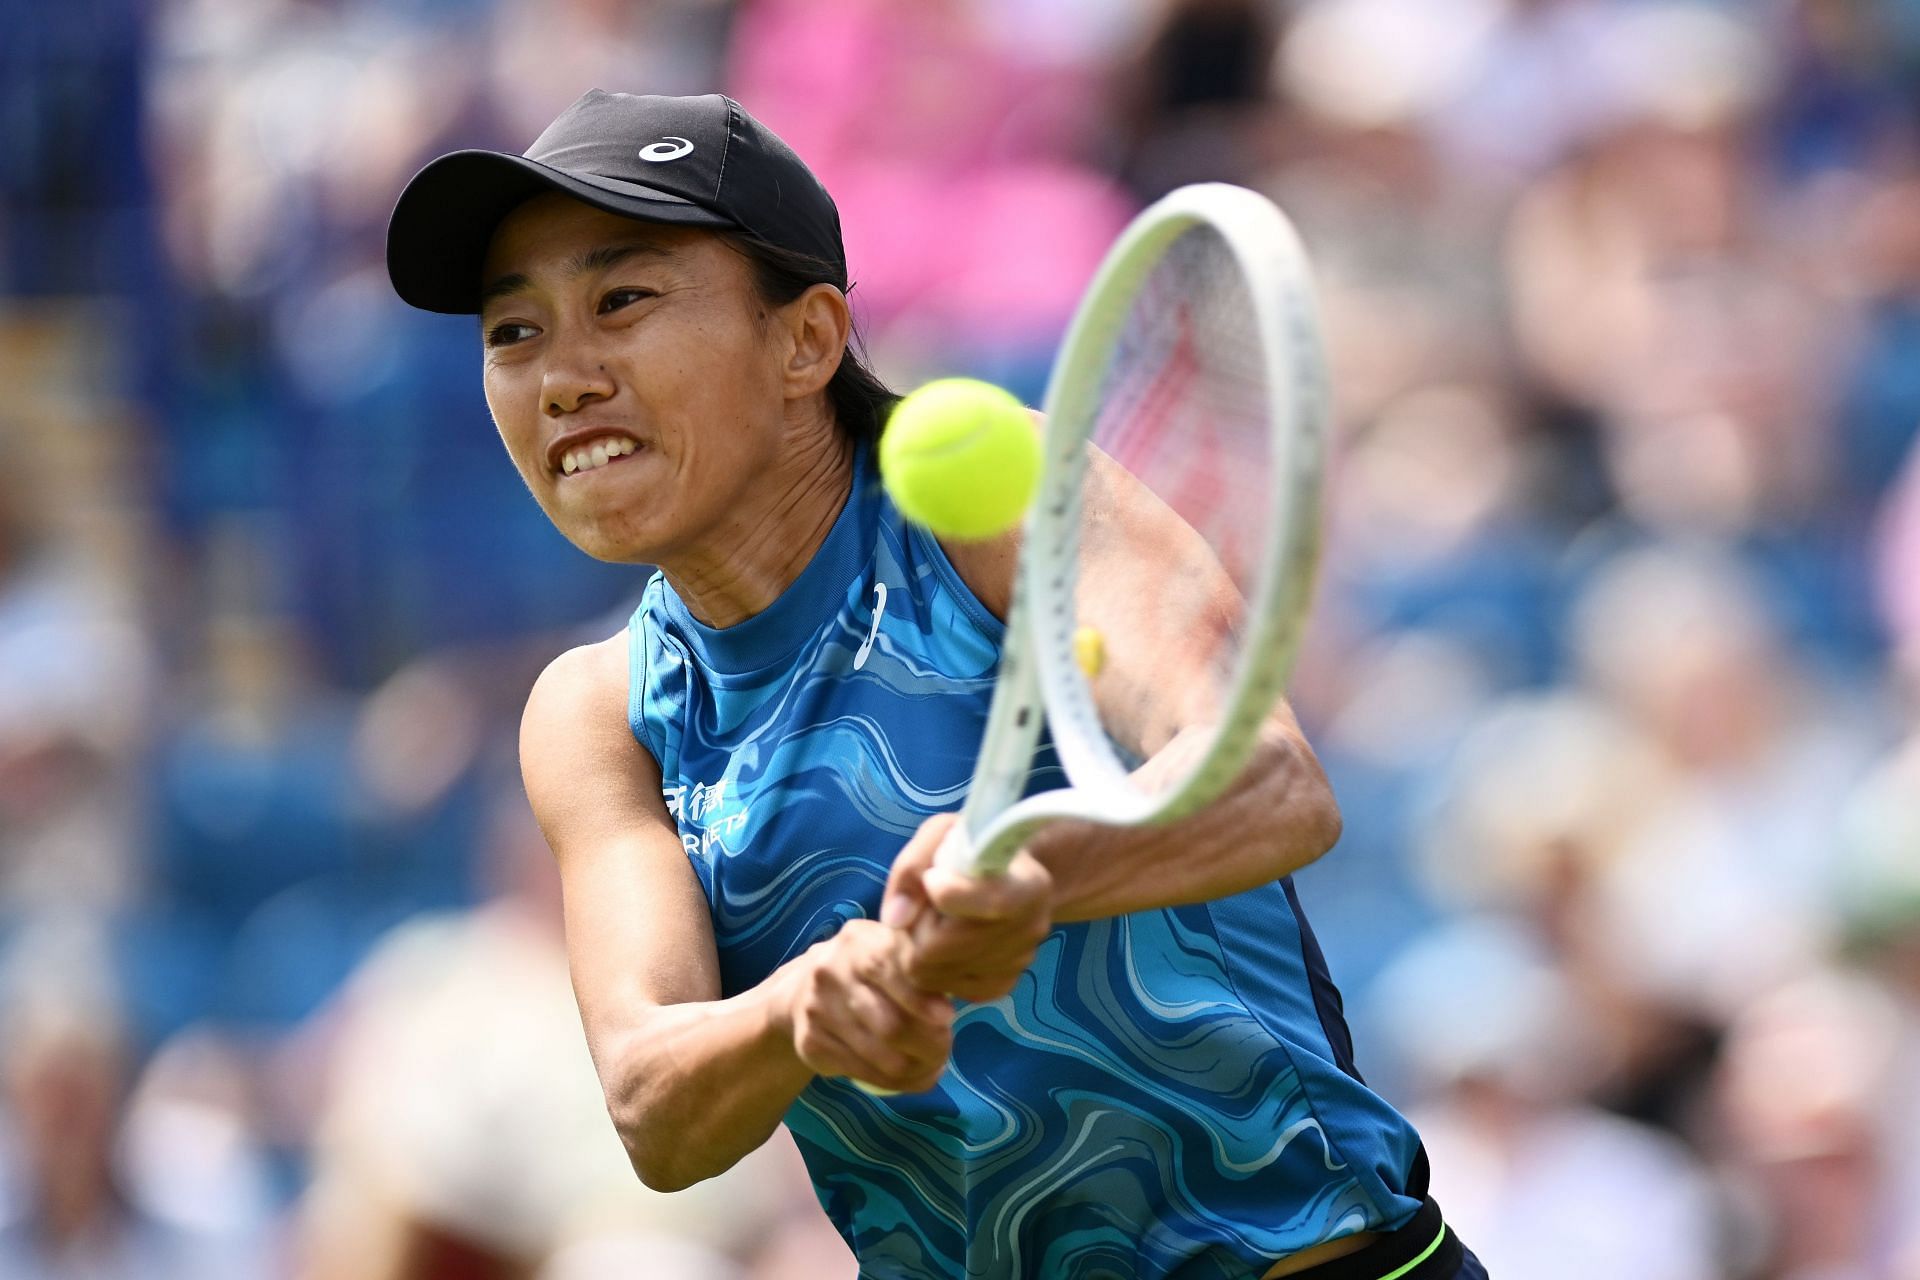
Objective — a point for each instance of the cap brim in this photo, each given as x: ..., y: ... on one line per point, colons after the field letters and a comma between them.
x: 445, y: 219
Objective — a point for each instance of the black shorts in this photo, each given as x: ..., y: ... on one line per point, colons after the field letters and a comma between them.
x: 1423, y: 1249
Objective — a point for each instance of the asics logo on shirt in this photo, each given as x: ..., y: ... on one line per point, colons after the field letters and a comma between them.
x: 879, y: 608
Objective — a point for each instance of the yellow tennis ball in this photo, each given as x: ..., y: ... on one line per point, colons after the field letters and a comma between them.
x: 1090, y: 651
x: 962, y: 458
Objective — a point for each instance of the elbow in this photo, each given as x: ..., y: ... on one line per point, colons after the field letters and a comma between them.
x: 657, y: 1160
x: 657, y: 1157
x: 659, y: 1176
x: 1322, y: 825
x: 666, y: 1144
x: 647, y: 1155
x: 1312, y: 820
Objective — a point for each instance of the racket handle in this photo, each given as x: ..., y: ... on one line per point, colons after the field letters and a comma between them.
x: 960, y: 852
x: 956, y: 851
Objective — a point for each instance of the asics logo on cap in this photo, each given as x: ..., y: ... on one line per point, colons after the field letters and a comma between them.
x: 668, y: 148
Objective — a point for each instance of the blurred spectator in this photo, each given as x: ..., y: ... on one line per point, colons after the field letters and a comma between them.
x: 1531, y: 822
x: 463, y: 1130
x: 1539, y: 1181
x: 1899, y: 576
x: 73, y: 1213
x: 73, y: 677
x: 932, y: 128
x: 1195, y: 101
x: 1807, y: 1088
x: 1880, y: 407
x: 1719, y: 895
x: 1878, y: 896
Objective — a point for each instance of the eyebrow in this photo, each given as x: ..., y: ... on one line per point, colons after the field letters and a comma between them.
x: 596, y: 259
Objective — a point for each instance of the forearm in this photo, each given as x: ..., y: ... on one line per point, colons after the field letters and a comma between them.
x: 1277, y: 818
x: 694, y: 1087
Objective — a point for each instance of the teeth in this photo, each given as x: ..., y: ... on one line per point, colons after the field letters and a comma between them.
x: 596, y: 455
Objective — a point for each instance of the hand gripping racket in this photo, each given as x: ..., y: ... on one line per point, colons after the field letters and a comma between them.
x: 1191, y: 386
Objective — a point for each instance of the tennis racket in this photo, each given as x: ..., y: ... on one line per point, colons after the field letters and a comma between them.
x: 1191, y: 387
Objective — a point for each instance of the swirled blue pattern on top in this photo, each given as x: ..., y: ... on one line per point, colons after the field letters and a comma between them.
x: 1165, y: 1094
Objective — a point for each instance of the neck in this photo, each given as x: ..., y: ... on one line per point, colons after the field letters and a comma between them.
x: 769, y: 538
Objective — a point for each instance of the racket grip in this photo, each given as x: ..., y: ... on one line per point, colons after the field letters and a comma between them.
x: 956, y: 851
x: 961, y: 852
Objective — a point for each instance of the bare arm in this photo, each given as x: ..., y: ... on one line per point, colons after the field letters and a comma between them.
x: 693, y: 1082
x: 1278, y: 817
x: 1156, y: 695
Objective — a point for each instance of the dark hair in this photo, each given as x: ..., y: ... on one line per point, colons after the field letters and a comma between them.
x: 860, y: 400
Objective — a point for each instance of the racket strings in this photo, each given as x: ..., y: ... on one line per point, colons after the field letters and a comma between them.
x: 1183, y: 410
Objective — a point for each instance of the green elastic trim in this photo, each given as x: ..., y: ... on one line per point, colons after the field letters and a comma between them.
x: 1425, y: 1253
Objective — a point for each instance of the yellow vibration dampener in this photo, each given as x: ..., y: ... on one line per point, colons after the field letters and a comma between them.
x: 1090, y: 651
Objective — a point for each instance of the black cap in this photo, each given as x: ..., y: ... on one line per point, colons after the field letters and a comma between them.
x: 696, y: 162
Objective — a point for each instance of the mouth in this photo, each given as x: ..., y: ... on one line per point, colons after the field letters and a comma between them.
x: 594, y: 455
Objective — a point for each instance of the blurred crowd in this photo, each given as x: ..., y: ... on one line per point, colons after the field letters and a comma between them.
x: 1615, y: 665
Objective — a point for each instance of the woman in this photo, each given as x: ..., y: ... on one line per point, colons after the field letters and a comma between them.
x: 1148, y: 1072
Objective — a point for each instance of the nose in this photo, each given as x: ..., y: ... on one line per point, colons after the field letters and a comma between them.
x: 568, y: 387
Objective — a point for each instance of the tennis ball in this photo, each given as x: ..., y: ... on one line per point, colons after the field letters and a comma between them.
x: 1090, y: 651
x: 961, y: 457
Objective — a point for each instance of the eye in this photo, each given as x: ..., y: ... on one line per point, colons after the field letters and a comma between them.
x: 508, y: 332
x: 618, y: 298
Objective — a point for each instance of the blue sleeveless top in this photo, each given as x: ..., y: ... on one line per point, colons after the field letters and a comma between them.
x: 1167, y: 1093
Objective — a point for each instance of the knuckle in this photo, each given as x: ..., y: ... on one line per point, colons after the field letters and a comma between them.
x: 883, y: 1020
x: 893, y: 1067
x: 934, y: 1048
x: 922, y: 971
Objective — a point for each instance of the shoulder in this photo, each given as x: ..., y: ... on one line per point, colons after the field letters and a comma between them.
x: 582, y: 678
x: 1122, y: 517
x: 579, y: 704
x: 987, y: 568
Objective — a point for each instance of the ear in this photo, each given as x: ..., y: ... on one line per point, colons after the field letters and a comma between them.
x: 817, y: 322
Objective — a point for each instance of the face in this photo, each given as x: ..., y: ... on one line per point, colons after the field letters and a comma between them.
x: 637, y: 382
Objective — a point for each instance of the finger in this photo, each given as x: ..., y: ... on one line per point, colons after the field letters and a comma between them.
x: 905, y: 897
x: 1025, y: 888
x: 925, y: 1042
x: 964, y: 976
x: 924, y: 1003
x: 959, y: 977
x: 943, y: 944
x: 913, y: 1051
x: 830, y: 1054
x: 879, y: 1016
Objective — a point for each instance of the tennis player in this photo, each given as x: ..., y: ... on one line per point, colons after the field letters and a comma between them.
x: 1146, y: 1073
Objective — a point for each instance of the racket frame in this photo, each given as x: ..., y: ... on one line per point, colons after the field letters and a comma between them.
x: 1040, y: 680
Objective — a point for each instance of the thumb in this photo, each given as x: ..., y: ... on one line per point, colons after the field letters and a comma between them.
x: 1017, y: 891
x: 906, y: 894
